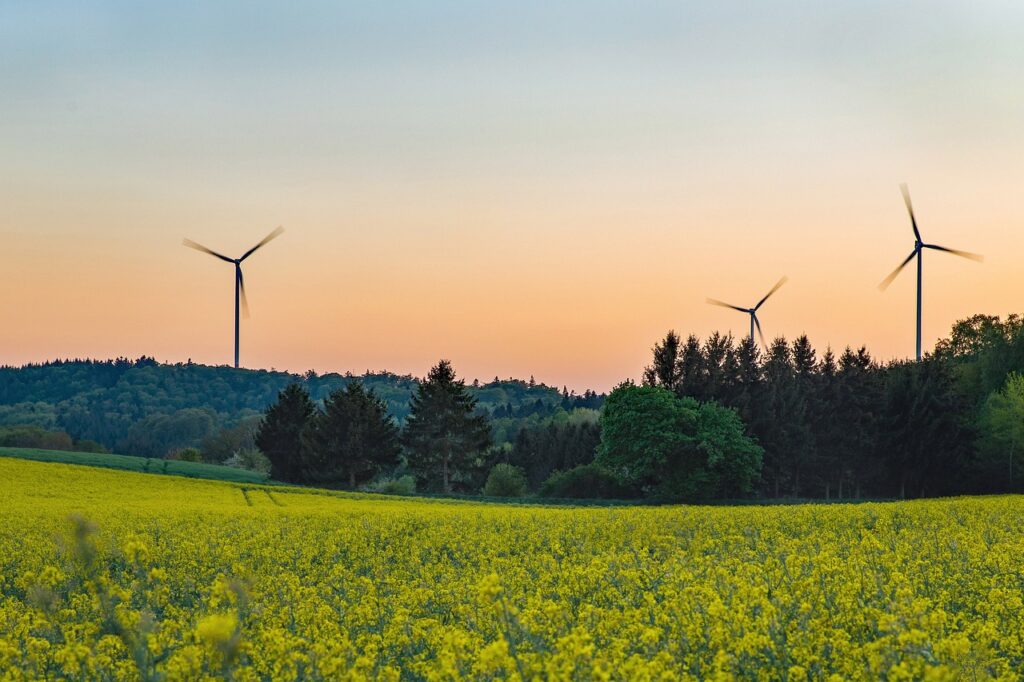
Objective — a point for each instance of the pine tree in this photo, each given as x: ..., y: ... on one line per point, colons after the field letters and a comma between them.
x: 827, y: 423
x: 925, y: 437
x: 691, y: 370
x: 442, y: 433
x: 858, y: 398
x: 280, y: 433
x: 352, y: 440
x: 716, y: 352
x: 665, y: 369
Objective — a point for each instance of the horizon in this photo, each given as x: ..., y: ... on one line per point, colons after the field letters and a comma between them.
x: 524, y: 190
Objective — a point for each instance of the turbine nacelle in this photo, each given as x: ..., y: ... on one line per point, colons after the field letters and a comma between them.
x: 918, y: 252
x: 754, y: 322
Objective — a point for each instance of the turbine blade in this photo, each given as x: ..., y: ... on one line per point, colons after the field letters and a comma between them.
x: 757, y: 323
x: 774, y: 289
x: 888, y: 280
x: 956, y: 252
x: 199, y: 247
x: 273, y: 235
x: 714, y: 301
x: 241, y: 291
x: 910, y: 209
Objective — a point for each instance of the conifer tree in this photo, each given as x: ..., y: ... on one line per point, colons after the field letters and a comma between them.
x: 665, y: 369
x: 691, y: 370
x: 280, y: 433
x: 442, y: 433
x: 352, y: 440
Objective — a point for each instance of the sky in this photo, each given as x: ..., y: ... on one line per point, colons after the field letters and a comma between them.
x: 524, y: 188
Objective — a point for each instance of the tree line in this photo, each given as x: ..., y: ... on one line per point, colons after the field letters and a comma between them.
x: 646, y: 442
x: 850, y: 426
x: 351, y: 439
x: 146, y: 408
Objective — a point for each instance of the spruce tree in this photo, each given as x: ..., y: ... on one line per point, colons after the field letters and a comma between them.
x: 352, y: 440
x: 280, y: 433
x: 716, y: 351
x: 442, y: 433
x: 664, y: 371
x: 691, y: 369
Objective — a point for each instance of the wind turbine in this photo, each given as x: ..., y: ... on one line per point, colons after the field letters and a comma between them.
x: 752, y: 311
x: 919, y: 247
x: 240, y: 302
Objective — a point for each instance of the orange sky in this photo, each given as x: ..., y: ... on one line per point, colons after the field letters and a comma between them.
x: 551, y: 213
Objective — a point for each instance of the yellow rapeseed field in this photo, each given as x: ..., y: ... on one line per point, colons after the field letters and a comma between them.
x: 109, y: 575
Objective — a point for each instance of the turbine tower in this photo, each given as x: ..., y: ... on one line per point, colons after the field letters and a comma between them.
x: 919, y: 247
x: 752, y: 311
x: 240, y: 302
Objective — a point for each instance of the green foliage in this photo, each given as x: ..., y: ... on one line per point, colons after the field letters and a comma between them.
x: 250, y: 459
x: 443, y: 433
x: 186, y: 455
x: 139, y: 464
x: 732, y: 458
x: 564, y: 442
x: 41, y: 414
x: 230, y: 440
x: 103, y: 400
x: 587, y: 481
x: 351, y: 440
x: 160, y: 434
x: 644, y: 430
x: 279, y: 436
x: 505, y: 480
x: 924, y: 434
x: 403, y: 485
x: 675, y: 447
x: 1002, y: 428
x: 30, y: 436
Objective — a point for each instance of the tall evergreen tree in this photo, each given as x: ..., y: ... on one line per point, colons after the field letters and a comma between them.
x: 716, y: 359
x: 280, y: 433
x: 827, y: 423
x: 858, y: 406
x: 352, y: 440
x: 665, y: 369
x: 692, y: 375
x: 925, y: 438
x: 442, y: 433
x: 784, y: 432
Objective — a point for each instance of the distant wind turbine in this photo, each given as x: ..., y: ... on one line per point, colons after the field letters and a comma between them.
x: 919, y: 247
x: 752, y: 311
x: 240, y: 301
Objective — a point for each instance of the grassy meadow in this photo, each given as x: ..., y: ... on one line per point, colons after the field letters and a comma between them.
x: 108, y: 574
x: 140, y: 464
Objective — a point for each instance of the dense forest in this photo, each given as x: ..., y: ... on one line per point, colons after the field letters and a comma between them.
x: 848, y: 426
x: 146, y: 408
x: 717, y: 418
x: 722, y: 418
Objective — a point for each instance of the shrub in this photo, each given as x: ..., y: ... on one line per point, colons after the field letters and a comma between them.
x: 405, y: 485
x: 250, y: 459
x: 505, y: 480
x: 28, y: 436
x: 585, y: 481
x: 186, y: 455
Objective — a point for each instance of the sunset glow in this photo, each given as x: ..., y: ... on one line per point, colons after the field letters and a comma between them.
x: 522, y: 190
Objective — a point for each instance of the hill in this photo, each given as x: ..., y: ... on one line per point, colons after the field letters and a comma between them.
x: 146, y: 408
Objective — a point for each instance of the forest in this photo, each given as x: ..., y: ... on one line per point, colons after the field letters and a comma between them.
x: 714, y: 418
x: 142, y: 407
